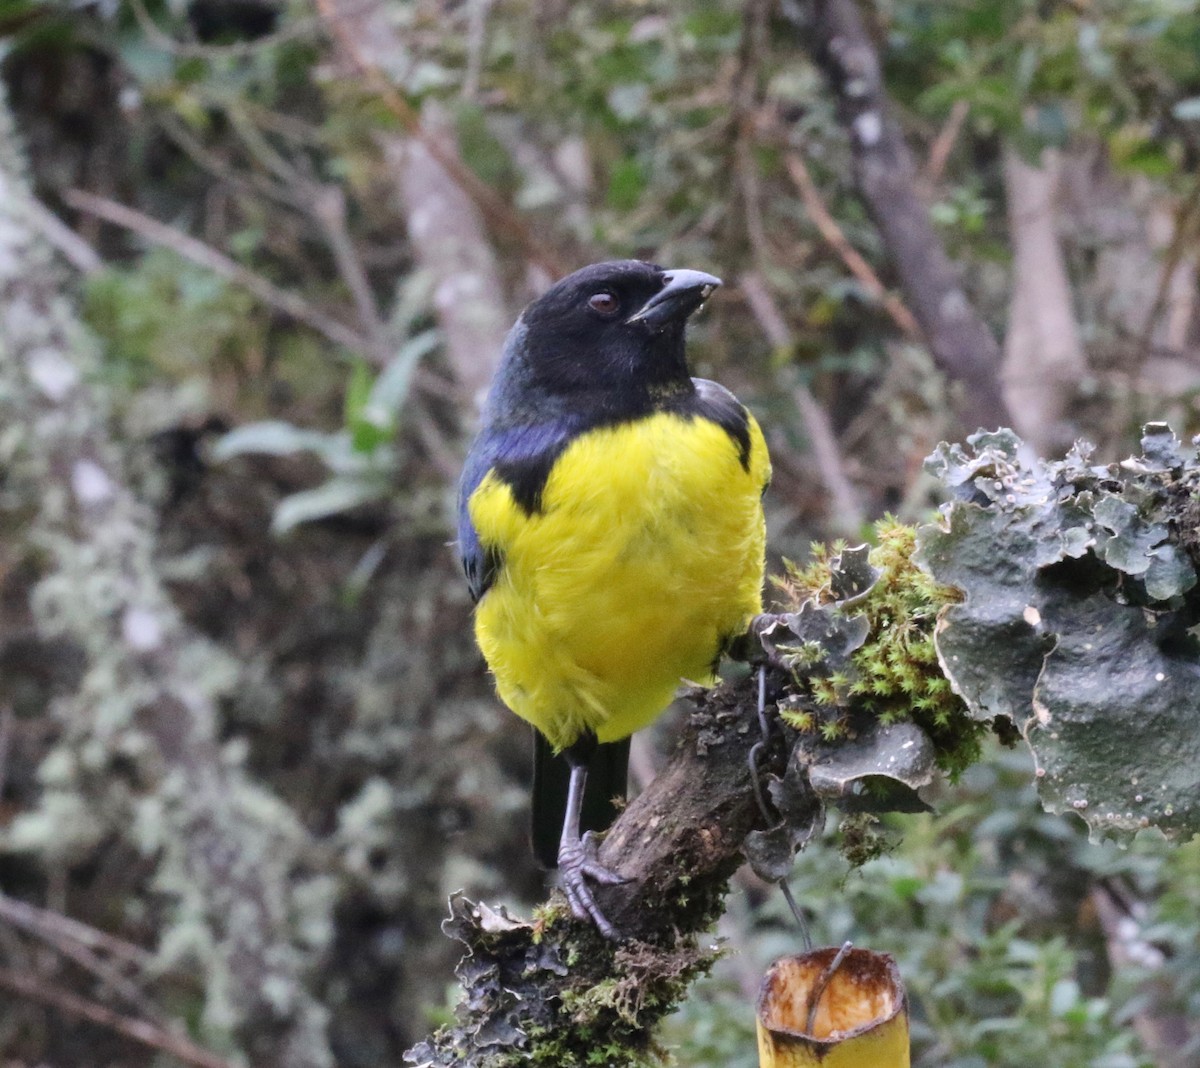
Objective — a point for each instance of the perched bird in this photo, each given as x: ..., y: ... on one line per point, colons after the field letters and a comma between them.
x: 611, y: 530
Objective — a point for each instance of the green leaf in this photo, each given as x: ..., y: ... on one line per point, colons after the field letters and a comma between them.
x: 372, y: 408
x: 388, y: 394
x: 272, y: 438
x: 358, y: 389
x: 330, y: 498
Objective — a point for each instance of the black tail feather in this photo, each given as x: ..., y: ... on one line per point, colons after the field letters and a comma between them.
x: 608, y: 768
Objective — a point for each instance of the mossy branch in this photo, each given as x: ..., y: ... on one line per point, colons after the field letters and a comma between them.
x: 1053, y: 600
x: 554, y: 991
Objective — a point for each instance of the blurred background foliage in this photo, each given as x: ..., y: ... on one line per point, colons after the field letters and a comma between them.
x: 278, y: 345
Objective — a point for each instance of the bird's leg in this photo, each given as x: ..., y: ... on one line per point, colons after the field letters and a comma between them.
x: 577, y: 861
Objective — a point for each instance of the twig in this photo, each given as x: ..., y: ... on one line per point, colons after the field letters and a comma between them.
x: 327, y: 204
x: 8, y: 722
x: 139, y: 1030
x: 190, y: 248
x: 329, y: 207
x: 73, y: 248
x: 35, y: 920
x: 260, y: 149
x: 943, y: 144
x: 961, y: 343
x: 186, y: 50
x: 825, y: 223
x: 493, y: 207
x: 751, y: 191
x: 103, y: 970
x: 32, y: 921
x: 438, y: 449
x: 819, y: 988
x: 848, y: 513
x: 1184, y: 217
x: 477, y: 13
x: 249, y: 182
x: 745, y: 93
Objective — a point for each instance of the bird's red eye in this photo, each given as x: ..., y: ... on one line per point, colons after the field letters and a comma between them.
x: 604, y: 303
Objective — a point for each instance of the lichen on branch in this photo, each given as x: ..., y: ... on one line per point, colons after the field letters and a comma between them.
x: 1078, y: 619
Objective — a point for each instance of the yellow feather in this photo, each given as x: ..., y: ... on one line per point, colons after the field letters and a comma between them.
x: 647, y: 555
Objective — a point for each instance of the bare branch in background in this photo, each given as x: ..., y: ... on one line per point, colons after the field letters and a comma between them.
x: 446, y: 206
x: 289, y: 304
x: 8, y: 721
x: 301, y: 27
x: 451, y: 244
x: 846, y: 510
x: 1175, y: 292
x: 824, y: 221
x: 142, y: 1031
x: 77, y: 252
x: 30, y: 920
x: 329, y: 208
x: 943, y: 144
x: 886, y: 175
x: 33, y: 919
x: 1043, y: 355
x: 363, y: 32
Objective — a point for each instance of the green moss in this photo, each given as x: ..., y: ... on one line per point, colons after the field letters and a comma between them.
x: 862, y: 838
x: 896, y: 675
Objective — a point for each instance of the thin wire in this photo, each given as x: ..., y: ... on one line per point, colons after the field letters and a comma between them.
x: 769, y: 817
x: 818, y: 991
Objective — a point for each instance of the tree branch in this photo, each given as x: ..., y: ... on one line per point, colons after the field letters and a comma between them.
x: 554, y: 991
x: 961, y: 343
x: 142, y: 1031
x: 855, y: 262
x: 848, y: 515
x: 1044, y: 357
x: 353, y: 28
x: 291, y: 305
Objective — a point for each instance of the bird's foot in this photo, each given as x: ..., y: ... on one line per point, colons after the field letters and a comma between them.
x: 577, y: 863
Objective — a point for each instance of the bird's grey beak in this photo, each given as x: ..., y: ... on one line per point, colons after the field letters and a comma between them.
x: 682, y: 293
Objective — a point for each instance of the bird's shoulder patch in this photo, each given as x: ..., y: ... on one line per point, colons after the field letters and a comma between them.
x: 715, y: 403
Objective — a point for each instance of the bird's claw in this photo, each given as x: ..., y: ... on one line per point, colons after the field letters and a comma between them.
x: 577, y: 863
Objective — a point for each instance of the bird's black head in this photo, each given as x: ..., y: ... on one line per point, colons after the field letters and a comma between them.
x: 613, y: 331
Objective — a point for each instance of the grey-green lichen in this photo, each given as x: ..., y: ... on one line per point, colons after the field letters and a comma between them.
x: 1078, y: 620
x: 137, y: 756
x: 554, y: 992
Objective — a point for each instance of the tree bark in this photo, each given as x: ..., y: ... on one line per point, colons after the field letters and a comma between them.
x: 1043, y: 356
x: 554, y: 991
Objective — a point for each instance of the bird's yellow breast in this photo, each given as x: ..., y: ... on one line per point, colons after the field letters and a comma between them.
x: 645, y: 557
